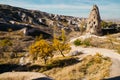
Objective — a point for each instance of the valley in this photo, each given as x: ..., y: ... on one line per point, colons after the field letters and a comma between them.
x: 36, y: 45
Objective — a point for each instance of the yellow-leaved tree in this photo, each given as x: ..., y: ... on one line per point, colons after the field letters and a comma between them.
x: 42, y: 49
x: 61, y: 46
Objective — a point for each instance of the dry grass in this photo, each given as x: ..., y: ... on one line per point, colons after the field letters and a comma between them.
x: 109, y: 42
x: 20, y: 43
x: 90, y: 68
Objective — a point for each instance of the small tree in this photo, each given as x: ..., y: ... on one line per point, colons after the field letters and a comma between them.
x: 82, y: 26
x: 41, y: 49
x: 61, y: 46
x: 63, y: 35
x: 37, y: 38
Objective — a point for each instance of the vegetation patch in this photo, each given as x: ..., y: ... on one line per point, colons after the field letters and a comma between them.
x: 90, y: 68
x: 85, y: 42
x: 58, y: 63
x: 77, y: 42
x: 62, y: 61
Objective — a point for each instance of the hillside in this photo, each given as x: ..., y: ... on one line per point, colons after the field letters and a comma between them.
x: 17, y: 18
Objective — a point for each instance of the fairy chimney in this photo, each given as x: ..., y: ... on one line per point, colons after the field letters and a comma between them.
x: 93, y: 22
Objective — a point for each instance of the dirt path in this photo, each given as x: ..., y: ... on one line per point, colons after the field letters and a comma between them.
x: 115, y: 57
x: 86, y: 36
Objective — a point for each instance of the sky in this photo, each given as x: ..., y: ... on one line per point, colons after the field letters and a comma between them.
x: 109, y: 9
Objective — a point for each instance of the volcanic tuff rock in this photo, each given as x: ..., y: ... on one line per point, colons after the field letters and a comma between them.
x: 93, y: 22
x: 13, y: 16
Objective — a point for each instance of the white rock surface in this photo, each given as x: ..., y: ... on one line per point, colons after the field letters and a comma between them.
x: 115, y: 57
x: 24, y: 76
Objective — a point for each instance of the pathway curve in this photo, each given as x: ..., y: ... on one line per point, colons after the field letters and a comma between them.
x: 115, y: 57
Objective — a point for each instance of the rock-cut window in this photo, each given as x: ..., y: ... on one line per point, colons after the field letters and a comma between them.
x: 89, y: 22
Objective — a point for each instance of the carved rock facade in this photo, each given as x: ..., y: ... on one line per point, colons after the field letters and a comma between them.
x: 93, y: 22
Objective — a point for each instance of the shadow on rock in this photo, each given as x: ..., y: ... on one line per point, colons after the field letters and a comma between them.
x: 42, y: 78
x: 12, y: 67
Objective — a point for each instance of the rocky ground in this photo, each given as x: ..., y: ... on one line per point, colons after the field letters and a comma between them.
x: 18, y: 18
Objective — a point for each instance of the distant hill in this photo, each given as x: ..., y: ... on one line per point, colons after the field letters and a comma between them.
x: 117, y: 21
x: 17, y: 18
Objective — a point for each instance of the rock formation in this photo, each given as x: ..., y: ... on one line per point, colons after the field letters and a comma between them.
x: 93, y: 22
x: 16, y: 18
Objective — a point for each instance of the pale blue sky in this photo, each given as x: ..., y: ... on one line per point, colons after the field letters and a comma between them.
x: 79, y: 8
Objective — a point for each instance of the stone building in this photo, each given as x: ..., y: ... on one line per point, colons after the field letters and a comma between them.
x: 93, y: 22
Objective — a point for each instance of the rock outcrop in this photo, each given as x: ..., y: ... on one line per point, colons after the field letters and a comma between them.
x: 22, y: 17
x: 93, y: 22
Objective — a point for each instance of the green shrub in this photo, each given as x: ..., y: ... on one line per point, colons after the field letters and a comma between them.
x: 77, y: 42
x: 86, y: 42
